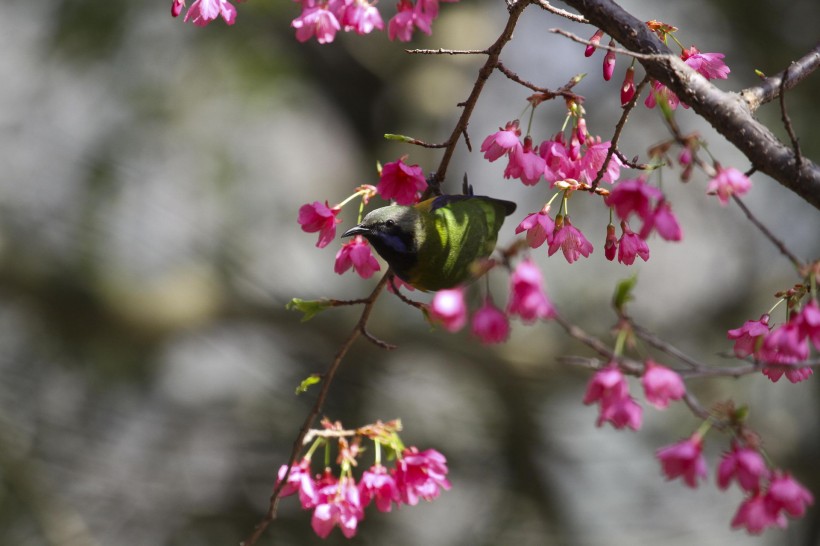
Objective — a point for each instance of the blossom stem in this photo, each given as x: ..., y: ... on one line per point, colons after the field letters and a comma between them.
x: 703, y: 429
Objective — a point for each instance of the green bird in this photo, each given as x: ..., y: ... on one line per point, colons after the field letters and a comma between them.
x: 432, y: 245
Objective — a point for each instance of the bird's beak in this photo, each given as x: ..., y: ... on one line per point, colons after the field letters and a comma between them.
x: 356, y: 230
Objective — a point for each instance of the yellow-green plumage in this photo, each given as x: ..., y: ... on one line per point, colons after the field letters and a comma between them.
x: 433, y: 244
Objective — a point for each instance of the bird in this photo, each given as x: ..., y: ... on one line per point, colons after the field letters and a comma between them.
x: 432, y: 245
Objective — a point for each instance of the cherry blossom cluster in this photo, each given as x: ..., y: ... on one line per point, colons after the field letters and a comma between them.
x: 527, y: 301
x: 339, y: 499
x: 770, y: 494
x: 322, y: 19
x: 784, y: 346
x: 708, y: 65
x: 608, y: 388
x: 203, y: 12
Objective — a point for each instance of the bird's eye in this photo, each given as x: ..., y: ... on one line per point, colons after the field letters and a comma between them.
x: 390, y: 223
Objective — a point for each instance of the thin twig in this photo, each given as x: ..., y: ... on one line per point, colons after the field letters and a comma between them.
x: 781, y: 246
x: 667, y: 348
x: 441, y: 51
x: 327, y: 379
x: 618, y: 128
x: 622, y: 51
x: 401, y: 296
x: 560, y: 12
x: 787, y: 122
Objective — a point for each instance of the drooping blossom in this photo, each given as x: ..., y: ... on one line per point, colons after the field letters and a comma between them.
x: 339, y: 505
x: 176, y: 7
x: 318, y: 217
x: 744, y: 464
x: 784, y: 345
x: 787, y: 494
x: 661, y: 385
x: 593, y: 158
x: 628, y: 86
x: 630, y: 246
x: 659, y: 92
x: 609, y: 388
x: 502, y: 141
x: 420, y: 475
x: 527, y: 297
x: 299, y: 481
x: 490, y: 324
x: 708, y: 65
x: 609, y: 62
x: 362, y: 17
x: 358, y: 255
x: 558, y: 164
x: 525, y: 164
x: 684, y: 459
x: 808, y: 323
x: 662, y: 220
x: 633, y: 196
x: 754, y: 515
x: 539, y: 227
x: 569, y: 239
x: 377, y: 483
x: 449, y: 309
x: 316, y: 20
x: 203, y: 12
x: 407, y: 19
x: 401, y: 182
x: 749, y: 337
x: 728, y: 182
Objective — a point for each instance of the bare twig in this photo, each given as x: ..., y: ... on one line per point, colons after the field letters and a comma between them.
x: 781, y: 246
x: 543, y: 4
x: 787, y: 122
x: 622, y: 51
x: 565, y: 91
x: 441, y: 51
x: 618, y: 128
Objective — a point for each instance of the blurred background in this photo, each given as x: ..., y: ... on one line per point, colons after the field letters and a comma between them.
x: 152, y: 173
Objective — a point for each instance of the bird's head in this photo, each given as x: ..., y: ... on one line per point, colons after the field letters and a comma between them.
x: 393, y: 228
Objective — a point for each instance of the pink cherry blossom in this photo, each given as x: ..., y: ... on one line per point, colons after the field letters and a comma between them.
x: 808, y: 323
x: 633, y: 196
x: 502, y: 142
x: 527, y: 297
x: 378, y: 484
x: 318, y: 217
x: 449, y: 309
x: 662, y: 220
x: 338, y: 505
x: 319, y: 21
x: 593, y: 159
x: 684, y: 459
x: 203, y: 12
x: 176, y: 7
x: 301, y: 481
x: 525, y: 164
x: 594, y: 41
x: 570, y: 240
x: 609, y: 62
x: 408, y: 18
x: 783, y: 345
x: 728, y: 182
x: 660, y: 92
x: 756, y: 517
x: 401, y: 182
x: 661, y: 385
x: 744, y: 464
x: 709, y: 65
x: 558, y: 164
x: 749, y: 337
x: 630, y: 245
x: 786, y: 493
x: 609, y: 388
x: 420, y: 475
x: 356, y: 254
x: 490, y: 324
x: 628, y: 86
x: 539, y: 227
x: 362, y: 17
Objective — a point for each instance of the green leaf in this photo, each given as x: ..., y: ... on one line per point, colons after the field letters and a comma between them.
x: 309, y: 307
x: 623, y: 293
x: 307, y: 383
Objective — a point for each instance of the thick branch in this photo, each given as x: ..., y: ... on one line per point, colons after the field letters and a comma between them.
x: 727, y: 112
x: 770, y: 88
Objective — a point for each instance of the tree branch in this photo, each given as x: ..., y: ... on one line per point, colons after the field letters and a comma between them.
x: 771, y: 87
x: 727, y: 112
